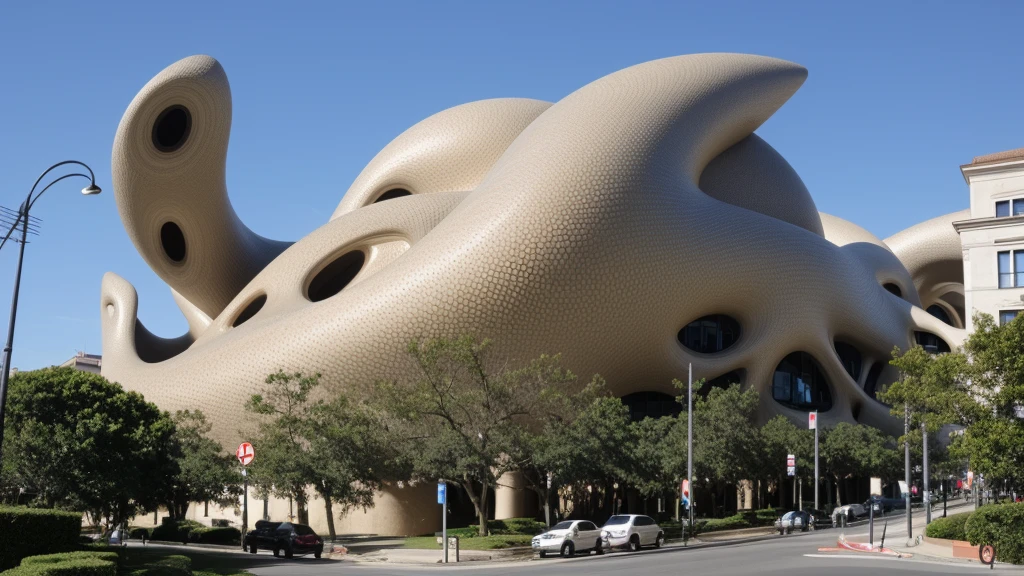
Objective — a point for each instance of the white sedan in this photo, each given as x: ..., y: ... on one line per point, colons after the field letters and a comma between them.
x: 631, y: 531
x: 569, y: 537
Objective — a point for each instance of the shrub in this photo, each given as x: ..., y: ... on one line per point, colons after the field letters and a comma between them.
x: 730, y: 523
x: 171, y: 531
x: 30, y: 532
x: 138, y: 532
x: 226, y: 536
x: 507, y: 527
x: 168, y: 566
x: 1002, y: 526
x: 68, y: 556
x: 951, y: 527
x: 76, y: 567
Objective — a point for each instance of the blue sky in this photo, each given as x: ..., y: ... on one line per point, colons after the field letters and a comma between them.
x: 899, y: 95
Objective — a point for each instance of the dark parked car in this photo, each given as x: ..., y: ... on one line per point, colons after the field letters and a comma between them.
x: 794, y: 521
x: 882, y: 505
x: 285, y: 537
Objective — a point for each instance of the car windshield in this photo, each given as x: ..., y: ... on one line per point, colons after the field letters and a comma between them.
x: 614, y: 520
x: 562, y: 526
x: 788, y: 516
x: 303, y: 530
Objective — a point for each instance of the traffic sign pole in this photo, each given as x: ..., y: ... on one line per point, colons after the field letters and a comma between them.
x: 814, y: 424
x: 442, y: 499
x: 245, y: 454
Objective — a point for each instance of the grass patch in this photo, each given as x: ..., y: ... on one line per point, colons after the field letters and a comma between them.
x: 479, y: 543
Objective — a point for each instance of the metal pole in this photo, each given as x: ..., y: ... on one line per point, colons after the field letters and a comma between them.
x: 10, y: 325
x: 871, y: 522
x: 926, y: 495
x: 245, y: 505
x: 444, y: 524
x: 817, y: 474
x: 689, y: 442
x: 906, y: 467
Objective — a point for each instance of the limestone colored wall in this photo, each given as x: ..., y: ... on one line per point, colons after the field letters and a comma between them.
x: 512, y: 498
x: 406, y: 511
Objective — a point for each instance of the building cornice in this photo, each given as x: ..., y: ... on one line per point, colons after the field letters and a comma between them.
x: 995, y: 167
x: 993, y: 222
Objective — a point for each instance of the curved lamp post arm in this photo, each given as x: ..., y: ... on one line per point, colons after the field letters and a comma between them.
x: 33, y: 202
x: 22, y: 213
x: 92, y: 177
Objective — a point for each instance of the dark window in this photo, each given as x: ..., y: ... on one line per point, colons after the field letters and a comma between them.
x: 335, y: 276
x: 617, y: 520
x: 392, y: 194
x: 1018, y: 206
x: 562, y: 525
x: 173, y: 241
x: 250, y: 310
x: 871, y: 382
x: 651, y: 404
x: 850, y: 358
x: 799, y: 383
x: 171, y: 129
x: 1018, y: 267
x: 723, y: 382
x: 1007, y: 316
x: 931, y: 343
x: 1005, y: 273
x: 303, y: 530
x: 643, y: 521
x: 893, y: 288
x: 710, y: 334
x: 940, y: 313
x: 1002, y: 209
x: 585, y: 526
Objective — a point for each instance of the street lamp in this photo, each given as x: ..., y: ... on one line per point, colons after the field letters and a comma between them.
x: 23, y: 219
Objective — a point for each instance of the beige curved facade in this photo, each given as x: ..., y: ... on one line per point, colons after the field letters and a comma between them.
x: 599, y: 227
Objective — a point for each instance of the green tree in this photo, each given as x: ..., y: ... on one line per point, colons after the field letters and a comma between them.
x: 779, y: 438
x: 79, y: 442
x: 857, y: 450
x: 204, y: 472
x: 463, y: 415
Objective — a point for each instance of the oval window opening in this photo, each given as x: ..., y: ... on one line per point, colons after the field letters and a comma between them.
x: 335, y: 276
x: 725, y: 381
x: 894, y: 289
x: 799, y: 383
x: 940, y: 313
x: 392, y: 194
x: 172, y: 128
x: 250, y: 310
x: 931, y: 343
x: 173, y: 241
x: 850, y: 357
x: 710, y: 334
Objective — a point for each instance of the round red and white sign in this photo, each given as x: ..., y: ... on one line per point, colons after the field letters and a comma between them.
x: 245, y: 453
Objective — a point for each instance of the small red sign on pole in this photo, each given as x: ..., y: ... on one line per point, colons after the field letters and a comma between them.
x: 812, y: 421
x: 245, y: 453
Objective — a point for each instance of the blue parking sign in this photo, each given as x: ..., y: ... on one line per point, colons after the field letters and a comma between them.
x: 440, y: 493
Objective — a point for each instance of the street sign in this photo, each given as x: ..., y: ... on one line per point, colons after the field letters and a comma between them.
x: 441, y: 493
x: 791, y: 460
x: 812, y: 421
x: 790, y: 470
x: 970, y: 478
x: 245, y: 453
x: 904, y: 489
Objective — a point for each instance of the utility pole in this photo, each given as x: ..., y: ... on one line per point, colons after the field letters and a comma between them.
x: 926, y: 496
x: 814, y: 423
x: 906, y: 468
x: 689, y: 441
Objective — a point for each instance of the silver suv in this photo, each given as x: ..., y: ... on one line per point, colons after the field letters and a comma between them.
x: 569, y: 537
x: 632, y: 531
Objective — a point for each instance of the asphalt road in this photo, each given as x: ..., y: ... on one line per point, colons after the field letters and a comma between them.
x: 795, y: 555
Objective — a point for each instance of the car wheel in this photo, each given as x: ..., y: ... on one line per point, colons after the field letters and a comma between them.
x: 660, y: 540
x: 318, y: 553
x: 288, y: 552
x: 568, y: 550
x: 599, y: 548
x: 252, y: 548
x: 277, y: 551
x: 543, y: 554
x: 634, y: 543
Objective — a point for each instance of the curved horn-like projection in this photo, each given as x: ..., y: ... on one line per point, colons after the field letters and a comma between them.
x: 168, y: 166
x: 420, y: 160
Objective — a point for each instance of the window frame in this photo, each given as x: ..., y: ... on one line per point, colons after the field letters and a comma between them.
x: 1003, y: 203
x: 1015, y: 312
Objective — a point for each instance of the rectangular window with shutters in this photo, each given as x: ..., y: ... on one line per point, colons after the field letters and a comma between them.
x: 1005, y: 272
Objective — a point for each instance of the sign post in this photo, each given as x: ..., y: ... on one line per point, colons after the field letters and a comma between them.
x: 812, y: 422
x: 791, y: 471
x: 442, y: 499
x: 245, y: 454
x: 689, y: 444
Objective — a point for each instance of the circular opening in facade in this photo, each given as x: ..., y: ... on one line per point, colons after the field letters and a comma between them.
x: 173, y: 241
x: 250, y: 310
x: 894, y: 289
x: 940, y: 313
x: 335, y: 276
x: 931, y: 343
x: 651, y: 404
x: 799, y: 383
x: 392, y: 194
x: 724, y: 382
x: 850, y: 357
x: 710, y: 334
x: 171, y: 129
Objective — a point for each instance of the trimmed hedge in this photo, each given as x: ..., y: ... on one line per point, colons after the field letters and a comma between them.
x: 138, y: 532
x: 169, y: 566
x: 187, y: 531
x: 216, y: 535
x: 174, y: 531
x: 1001, y: 525
x: 77, y: 567
x: 950, y: 528
x: 68, y: 556
x: 32, y: 531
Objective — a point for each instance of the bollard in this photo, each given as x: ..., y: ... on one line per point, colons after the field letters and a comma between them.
x: 454, y: 540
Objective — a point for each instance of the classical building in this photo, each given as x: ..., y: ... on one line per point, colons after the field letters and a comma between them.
x: 637, y: 226
x: 992, y: 236
x: 85, y: 362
